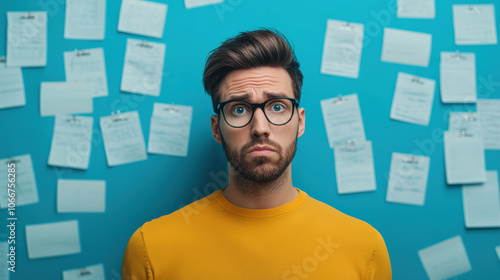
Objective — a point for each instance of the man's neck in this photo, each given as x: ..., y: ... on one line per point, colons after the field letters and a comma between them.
x: 251, y: 195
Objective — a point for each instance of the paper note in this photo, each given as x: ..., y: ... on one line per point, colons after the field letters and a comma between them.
x: 4, y: 265
x: 87, y: 66
x: 343, y: 121
x: 71, y: 141
x: 465, y: 122
x: 342, y: 48
x: 457, y: 73
x: 198, y: 3
x: 354, y: 168
x: 52, y: 239
x: 406, y: 47
x: 26, y: 39
x: 413, y: 98
x: 123, y: 138
x: 445, y: 259
x: 81, y: 196
x: 497, y: 248
x: 416, y: 9
x: 408, y: 179
x: 65, y: 98
x: 25, y: 185
x: 143, y: 67
x: 169, y: 131
x: 142, y: 18
x: 464, y: 158
x: 474, y: 24
x: 482, y: 203
x: 92, y: 272
x: 11, y: 86
x: 85, y: 19
x: 489, y: 117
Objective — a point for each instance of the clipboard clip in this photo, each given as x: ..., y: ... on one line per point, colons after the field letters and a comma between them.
x: 416, y: 79
x: 346, y: 26
x: 411, y: 159
x: 457, y: 55
x: 81, y: 53
x: 171, y: 108
x: 144, y: 44
x: 469, y: 117
x: 117, y: 117
x: 339, y: 99
x: 28, y: 15
x: 73, y: 120
x: 351, y: 145
x: 472, y: 9
x: 463, y: 133
x: 85, y: 271
x: 3, y: 59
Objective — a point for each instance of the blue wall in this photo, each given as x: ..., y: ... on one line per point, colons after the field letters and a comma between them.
x: 141, y: 191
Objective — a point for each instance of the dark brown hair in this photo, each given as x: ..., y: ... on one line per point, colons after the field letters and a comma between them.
x: 263, y: 47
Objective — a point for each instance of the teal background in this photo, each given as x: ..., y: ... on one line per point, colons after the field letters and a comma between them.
x: 141, y: 191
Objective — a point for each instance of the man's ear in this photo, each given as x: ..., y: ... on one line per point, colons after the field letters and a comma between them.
x: 215, y: 128
x: 302, y: 121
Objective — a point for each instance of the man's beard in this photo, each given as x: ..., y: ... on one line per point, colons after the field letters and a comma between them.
x: 260, y: 169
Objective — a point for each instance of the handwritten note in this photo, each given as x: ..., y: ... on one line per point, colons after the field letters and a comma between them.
x: 416, y: 9
x: 464, y: 158
x: 26, y: 39
x: 92, y: 272
x: 87, y: 66
x: 457, y: 72
x: 26, y: 189
x: 489, y: 116
x: 474, y: 24
x: 11, y: 86
x: 142, y: 18
x: 85, y: 19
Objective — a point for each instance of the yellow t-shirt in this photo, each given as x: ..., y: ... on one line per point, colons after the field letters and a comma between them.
x: 213, y: 239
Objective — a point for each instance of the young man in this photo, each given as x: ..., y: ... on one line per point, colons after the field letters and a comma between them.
x: 260, y: 226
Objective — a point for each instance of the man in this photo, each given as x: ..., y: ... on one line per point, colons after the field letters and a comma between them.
x: 260, y: 226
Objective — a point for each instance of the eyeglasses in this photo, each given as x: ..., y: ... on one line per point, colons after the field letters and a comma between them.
x: 239, y: 113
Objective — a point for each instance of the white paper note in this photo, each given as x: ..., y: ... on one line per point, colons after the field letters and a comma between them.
x: 169, y: 131
x: 408, y: 179
x: 11, y: 86
x: 465, y: 122
x: 27, y: 39
x: 343, y: 121
x: 25, y: 185
x: 87, y: 66
x: 71, y: 144
x: 92, y: 272
x: 406, y: 47
x: 445, y: 259
x: 489, y: 118
x: 474, y: 24
x: 482, y: 203
x: 464, y: 158
x: 416, y: 9
x: 457, y: 72
x: 413, y: 98
x: 85, y: 19
x: 354, y: 168
x: 142, y: 18
x: 52, y: 239
x: 342, y: 48
x: 81, y: 196
x: 123, y: 138
x: 65, y: 98
x: 4, y: 265
x: 198, y: 3
x: 143, y: 67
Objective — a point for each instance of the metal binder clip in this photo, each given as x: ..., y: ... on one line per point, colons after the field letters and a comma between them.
x: 410, y: 159
x: 416, y: 79
x: 144, y: 44
x: 457, y: 55
x: 81, y: 53
x: 171, y: 109
x: 472, y: 9
x: 339, y: 99
x: 346, y: 26
x: 351, y: 145
x: 85, y: 271
x: 28, y: 15
x: 118, y: 116
x: 469, y: 117
x: 73, y: 119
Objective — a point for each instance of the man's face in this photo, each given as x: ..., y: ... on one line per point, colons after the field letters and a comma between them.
x: 260, y: 152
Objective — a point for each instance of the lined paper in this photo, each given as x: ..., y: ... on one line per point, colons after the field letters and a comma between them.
x: 481, y: 203
x: 26, y: 39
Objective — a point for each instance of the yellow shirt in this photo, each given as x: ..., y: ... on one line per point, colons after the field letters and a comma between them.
x: 213, y: 239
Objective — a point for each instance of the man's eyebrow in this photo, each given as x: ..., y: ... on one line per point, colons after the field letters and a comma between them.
x: 268, y: 95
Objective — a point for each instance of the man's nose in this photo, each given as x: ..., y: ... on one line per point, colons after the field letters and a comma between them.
x: 259, y: 124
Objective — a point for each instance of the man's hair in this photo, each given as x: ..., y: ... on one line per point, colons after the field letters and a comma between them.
x: 263, y: 47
